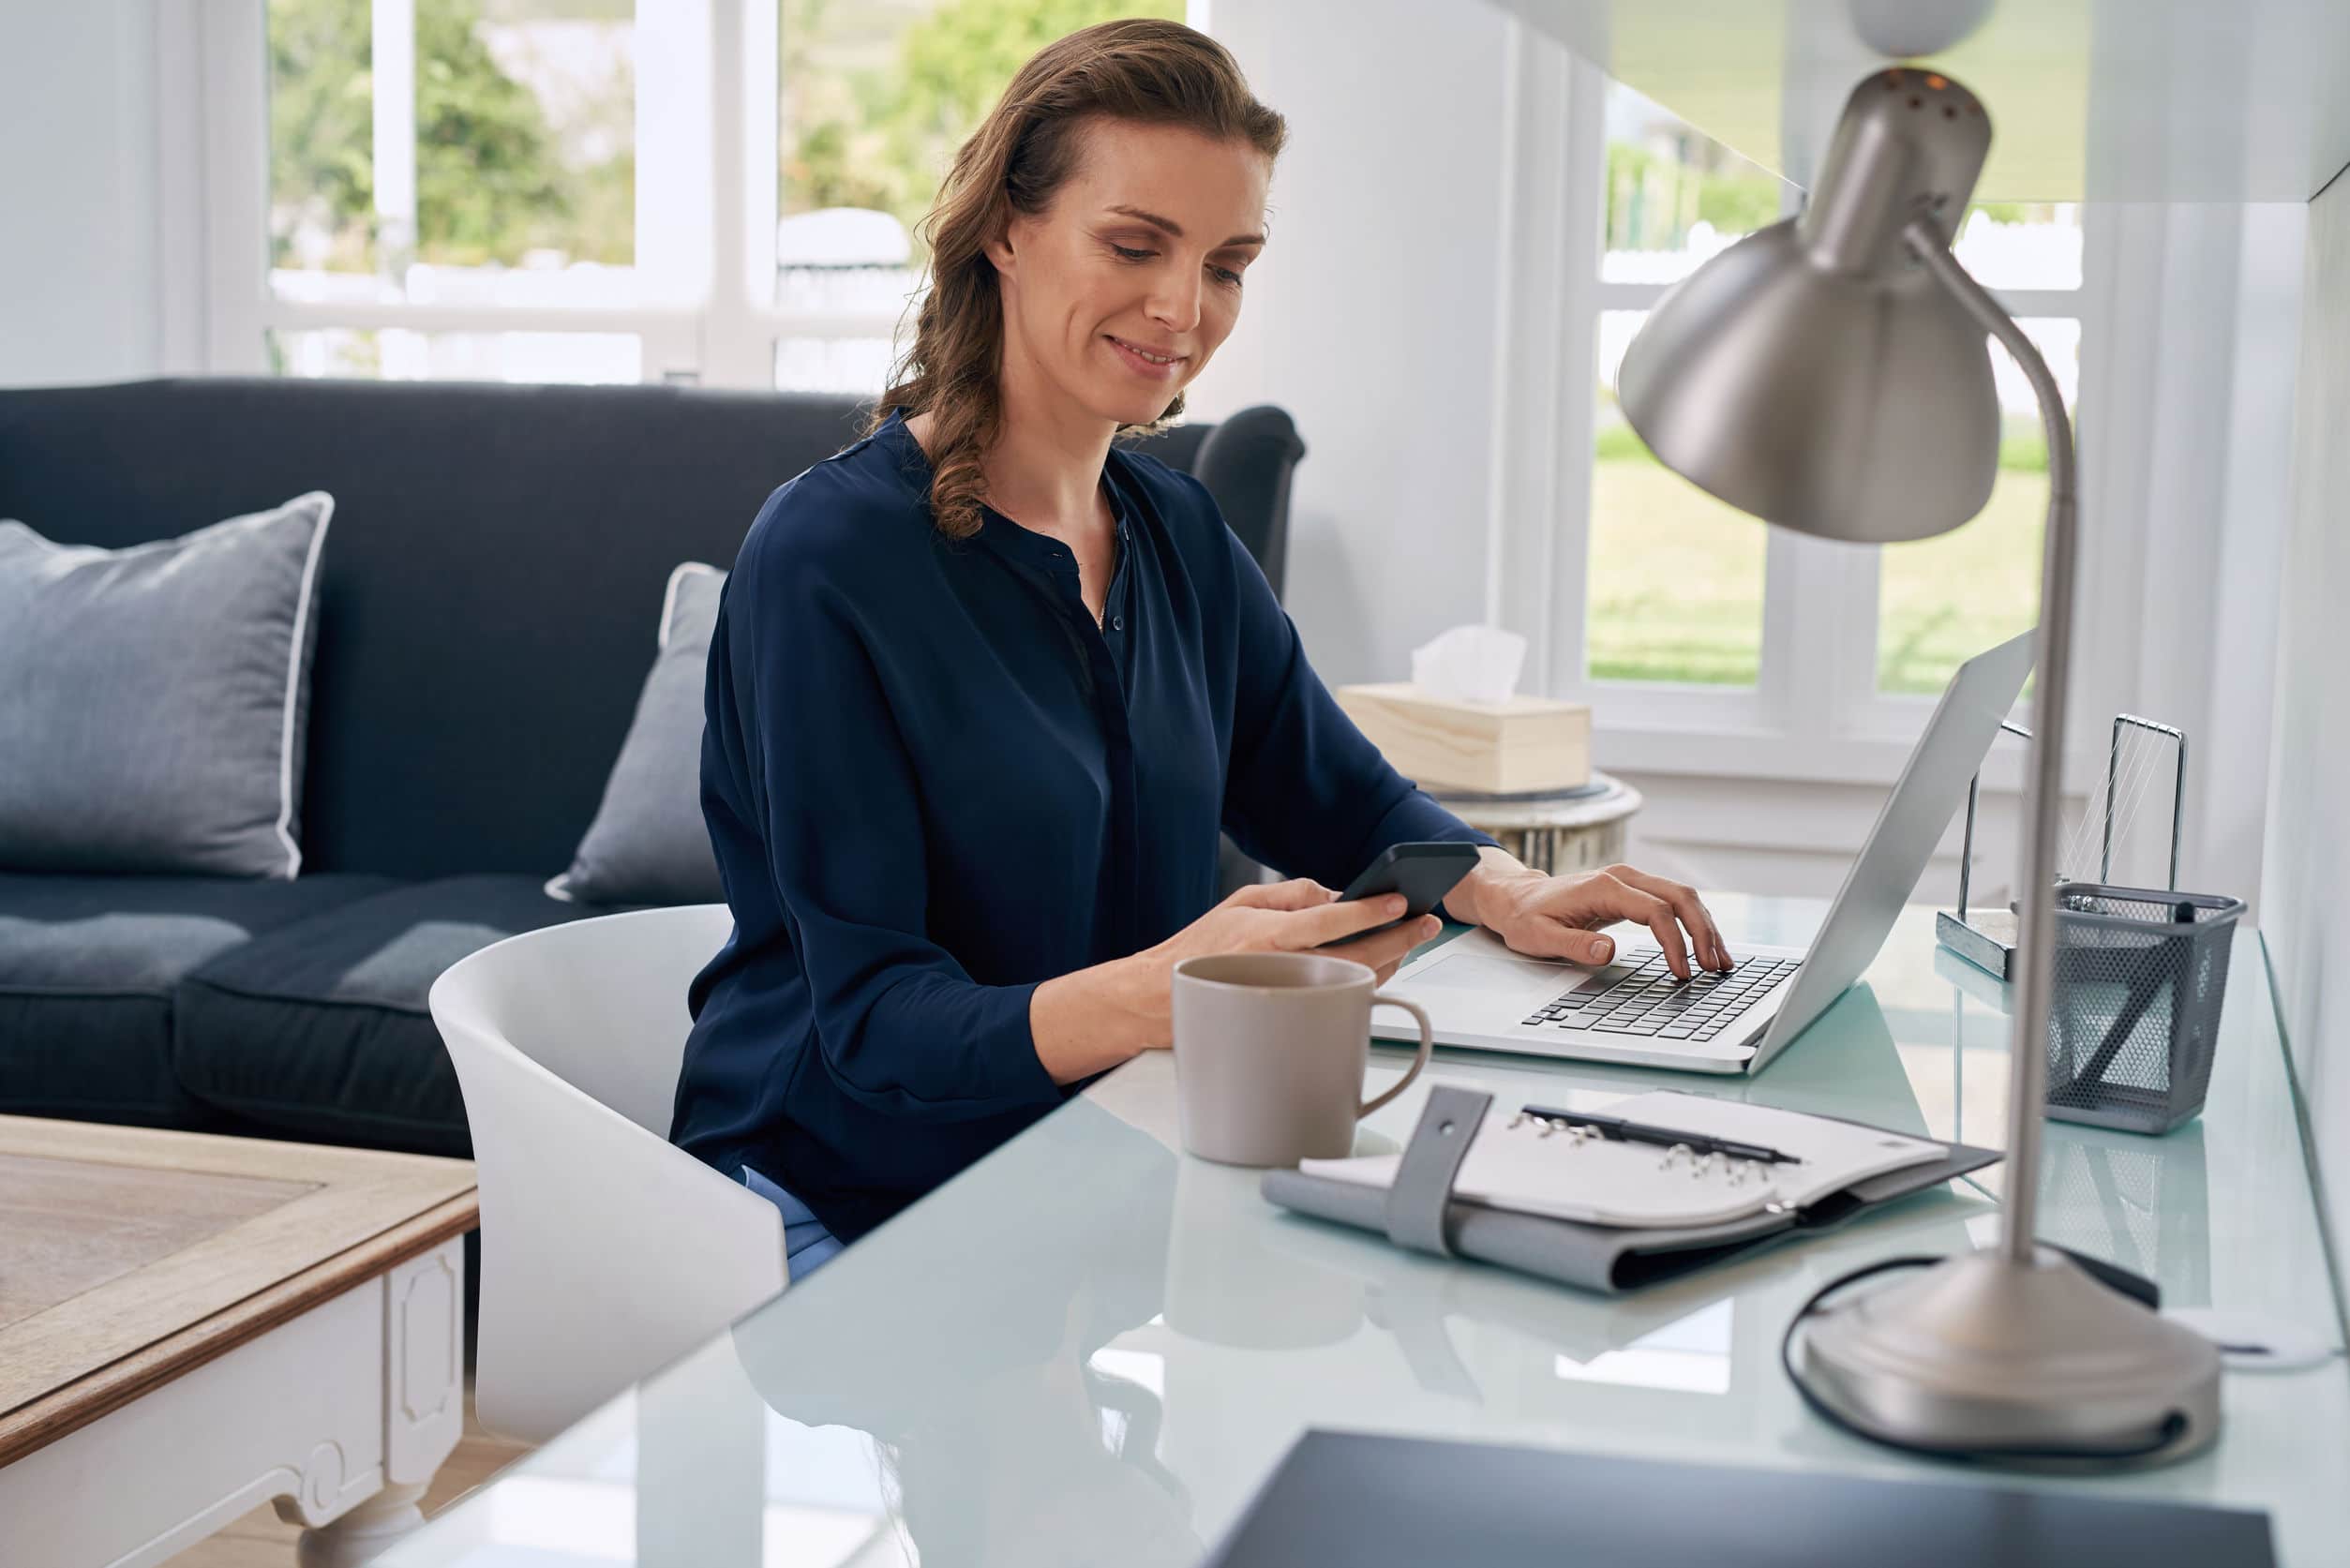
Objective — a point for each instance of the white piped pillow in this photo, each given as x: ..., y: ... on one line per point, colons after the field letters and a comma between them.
x: 153, y: 700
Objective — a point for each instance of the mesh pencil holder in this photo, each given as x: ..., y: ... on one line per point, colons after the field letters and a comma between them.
x: 2134, y: 1011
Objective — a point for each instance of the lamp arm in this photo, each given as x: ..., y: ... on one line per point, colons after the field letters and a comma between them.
x: 2028, y: 1073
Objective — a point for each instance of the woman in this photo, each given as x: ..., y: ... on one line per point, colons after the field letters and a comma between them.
x: 984, y: 687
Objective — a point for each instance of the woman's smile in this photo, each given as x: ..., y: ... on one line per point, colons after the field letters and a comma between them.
x: 1142, y: 363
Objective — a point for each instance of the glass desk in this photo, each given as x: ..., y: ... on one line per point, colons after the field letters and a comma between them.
x: 1089, y: 1349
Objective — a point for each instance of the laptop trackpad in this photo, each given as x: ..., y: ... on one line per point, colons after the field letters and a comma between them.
x: 1520, y: 984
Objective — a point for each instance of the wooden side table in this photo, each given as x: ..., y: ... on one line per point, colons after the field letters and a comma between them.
x: 192, y: 1324
x: 1574, y: 831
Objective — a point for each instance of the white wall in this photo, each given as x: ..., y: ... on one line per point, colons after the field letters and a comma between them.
x: 2194, y: 511
x: 1371, y: 314
x: 2308, y: 846
x: 79, y: 199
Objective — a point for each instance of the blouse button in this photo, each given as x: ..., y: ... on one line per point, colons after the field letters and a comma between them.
x: 1117, y: 623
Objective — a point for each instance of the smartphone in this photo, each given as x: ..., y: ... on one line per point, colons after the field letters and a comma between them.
x: 1422, y: 873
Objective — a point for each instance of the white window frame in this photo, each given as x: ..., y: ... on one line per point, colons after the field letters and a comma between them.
x: 1815, y: 712
x: 707, y: 198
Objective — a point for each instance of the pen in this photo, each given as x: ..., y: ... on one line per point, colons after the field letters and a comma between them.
x: 1637, y: 1132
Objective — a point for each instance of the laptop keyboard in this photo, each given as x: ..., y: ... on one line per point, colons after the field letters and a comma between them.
x: 1646, y: 998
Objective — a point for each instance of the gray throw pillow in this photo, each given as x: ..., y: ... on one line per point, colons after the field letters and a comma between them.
x: 648, y: 844
x: 154, y: 699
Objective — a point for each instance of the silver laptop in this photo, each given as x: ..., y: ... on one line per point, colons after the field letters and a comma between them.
x: 1481, y: 995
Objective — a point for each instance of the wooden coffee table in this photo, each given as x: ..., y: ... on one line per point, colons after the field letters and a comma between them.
x: 191, y: 1325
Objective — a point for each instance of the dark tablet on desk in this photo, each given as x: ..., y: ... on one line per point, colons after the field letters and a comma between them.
x: 1407, y: 1502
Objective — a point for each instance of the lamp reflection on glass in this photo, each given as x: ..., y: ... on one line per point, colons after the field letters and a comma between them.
x: 1831, y: 374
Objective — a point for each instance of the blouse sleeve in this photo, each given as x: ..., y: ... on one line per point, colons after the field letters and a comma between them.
x: 1306, y: 792
x: 805, y: 725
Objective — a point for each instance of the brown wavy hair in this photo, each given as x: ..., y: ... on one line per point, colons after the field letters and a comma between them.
x: 1145, y: 71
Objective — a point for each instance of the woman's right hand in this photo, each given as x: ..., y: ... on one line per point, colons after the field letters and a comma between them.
x: 1093, y: 1019
x: 1294, y: 915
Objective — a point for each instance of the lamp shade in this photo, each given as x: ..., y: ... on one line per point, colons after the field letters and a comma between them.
x: 1814, y: 374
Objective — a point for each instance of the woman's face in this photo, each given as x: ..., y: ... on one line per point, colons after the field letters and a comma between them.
x: 1141, y: 254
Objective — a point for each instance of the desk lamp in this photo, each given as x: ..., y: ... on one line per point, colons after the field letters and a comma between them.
x: 1831, y: 374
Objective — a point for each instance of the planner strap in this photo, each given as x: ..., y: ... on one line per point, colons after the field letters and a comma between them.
x: 1423, y: 1185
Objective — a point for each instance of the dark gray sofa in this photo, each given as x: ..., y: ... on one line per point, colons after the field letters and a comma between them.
x: 488, y: 593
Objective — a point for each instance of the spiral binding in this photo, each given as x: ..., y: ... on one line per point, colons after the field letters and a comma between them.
x: 1738, y: 1172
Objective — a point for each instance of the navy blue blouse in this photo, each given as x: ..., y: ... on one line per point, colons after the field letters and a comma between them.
x: 933, y: 782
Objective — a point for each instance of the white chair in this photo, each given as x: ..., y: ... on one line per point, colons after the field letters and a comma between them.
x: 607, y: 1251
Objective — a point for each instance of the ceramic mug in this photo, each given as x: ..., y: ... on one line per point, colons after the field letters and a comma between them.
x: 1270, y: 1051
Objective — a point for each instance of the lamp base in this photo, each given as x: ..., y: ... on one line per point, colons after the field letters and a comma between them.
x: 1982, y: 1356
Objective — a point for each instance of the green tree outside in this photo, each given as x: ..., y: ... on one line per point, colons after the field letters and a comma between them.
x: 490, y: 182
x: 878, y: 95
x: 1654, y: 199
x: 321, y: 166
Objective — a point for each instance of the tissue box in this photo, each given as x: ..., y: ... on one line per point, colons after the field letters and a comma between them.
x: 1515, y: 746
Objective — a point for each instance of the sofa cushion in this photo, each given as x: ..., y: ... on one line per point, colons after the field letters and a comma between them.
x: 178, y: 673
x: 322, y: 1029
x: 88, y: 966
x: 649, y: 843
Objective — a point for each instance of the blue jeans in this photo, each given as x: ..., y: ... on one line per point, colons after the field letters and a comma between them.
x: 807, y: 1244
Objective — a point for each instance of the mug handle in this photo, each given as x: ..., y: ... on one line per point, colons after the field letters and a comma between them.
x: 1419, y: 1059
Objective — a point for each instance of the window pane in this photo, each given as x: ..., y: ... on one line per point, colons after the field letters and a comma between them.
x: 2022, y: 244
x: 526, y: 132
x: 516, y: 170
x: 321, y: 137
x: 1941, y: 601
x: 400, y: 354
x: 1676, y: 575
x: 852, y: 365
x: 1674, y: 195
x: 875, y: 100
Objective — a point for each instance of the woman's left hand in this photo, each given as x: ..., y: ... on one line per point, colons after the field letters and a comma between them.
x: 1559, y: 917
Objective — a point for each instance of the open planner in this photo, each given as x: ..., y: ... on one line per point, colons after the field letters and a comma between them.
x: 1657, y: 1186
x: 1536, y: 1165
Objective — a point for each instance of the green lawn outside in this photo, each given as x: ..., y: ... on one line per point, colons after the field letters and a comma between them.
x: 1676, y: 581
